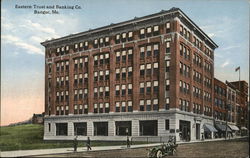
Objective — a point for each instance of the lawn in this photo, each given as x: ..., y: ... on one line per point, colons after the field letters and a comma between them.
x: 30, y: 136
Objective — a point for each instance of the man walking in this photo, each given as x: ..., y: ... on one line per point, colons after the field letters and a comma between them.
x: 88, y: 144
x: 75, y: 144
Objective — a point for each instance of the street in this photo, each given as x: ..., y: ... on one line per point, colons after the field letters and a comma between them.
x: 229, y: 148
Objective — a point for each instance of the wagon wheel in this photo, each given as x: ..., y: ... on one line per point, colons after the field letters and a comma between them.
x: 159, y: 154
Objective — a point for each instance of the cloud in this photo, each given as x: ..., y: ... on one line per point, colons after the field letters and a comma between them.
x: 39, y: 27
x: 230, y: 47
x: 36, y: 39
x: 225, y: 64
x: 30, y: 49
x: 60, y: 21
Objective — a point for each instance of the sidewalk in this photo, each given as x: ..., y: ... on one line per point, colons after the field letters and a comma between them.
x: 20, y: 153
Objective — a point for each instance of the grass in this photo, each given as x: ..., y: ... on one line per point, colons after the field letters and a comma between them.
x: 30, y: 136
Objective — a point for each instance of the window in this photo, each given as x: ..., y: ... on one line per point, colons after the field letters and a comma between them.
x: 156, y: 50
x: 75, y: 109
x: 118, y: 54
x: 86, y: 44
x: 107, y: 75
x: 168, y: 47
x: 142, y: 53
x: 156, y: 30
x: 148, y: 87
x: 129, y: 72
x: 67, y: 95
x: 130, y: 36
x: 148, y: 105
x: 61, y: 129
x: 101, y: 59
x: 167, y: 104
x: 106, y: 41
x: 100, y: 91
x: 117, y: 38
x: 123, y: 90
x: 86, y: 78
x: 80, y: 109
x: 75, y: 94
x: 148, y: 51
x: 123, y: 106
x: 129, y: 89
x: 156, y: 88
x: 95, y: 108
x: 167, y: 65
x: 101, y: 108
x: 117, y: 90
x: 166, y: 124
x: 101, y: 75
x: 80, y: 78
x: 124, y: 35
x: 167, y: 27
x: 124, y: 56
x: 57, y: 67
x: 95, y: 60
x: 142, y: 105
x: 107, y: 108
x: 80, y: 63
x: 142, y: 33
x: 156, y: 69
x: 123, y: 73
x: 155, y: 105
x: 101, y: 42
x: 148, y: 69
x: 62, y: 66
x: 95, y: 76
x: 62, y: 110
x: 80, y: 94
x: 149, y: 31
x: 142, y: 88
x: 142, y: 70
x: 130, y: 106
x: 117, y: 72
x: 67, y: 65
x: 106, y: 91
x: 106, y: 58
x: 130, y: 55
x: 167, y: 85
x: 95, y: 93
x: 117, y: 106
x: 49, y: 127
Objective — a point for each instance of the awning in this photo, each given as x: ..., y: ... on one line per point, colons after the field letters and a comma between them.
x: 234, y: 128
x: 243, y: 128
x: 209, y: 128
x: 222, y: 127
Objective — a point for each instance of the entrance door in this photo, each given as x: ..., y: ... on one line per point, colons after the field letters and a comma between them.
x: 185, y: 130
x: 197, y: 131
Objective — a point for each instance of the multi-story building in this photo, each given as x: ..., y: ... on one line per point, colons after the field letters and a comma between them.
x: 241, y: 88
x: 149, y: 76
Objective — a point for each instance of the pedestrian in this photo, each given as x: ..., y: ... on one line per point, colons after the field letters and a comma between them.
x: 128, y: 143
x: 88, y: 144
x: 75, y: 143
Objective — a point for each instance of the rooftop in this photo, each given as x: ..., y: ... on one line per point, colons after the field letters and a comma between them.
x: 133, y: 21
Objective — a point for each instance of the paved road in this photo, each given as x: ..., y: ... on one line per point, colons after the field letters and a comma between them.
x: 229, y: 148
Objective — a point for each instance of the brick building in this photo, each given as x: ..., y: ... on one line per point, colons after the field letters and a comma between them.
x: 149, y: 76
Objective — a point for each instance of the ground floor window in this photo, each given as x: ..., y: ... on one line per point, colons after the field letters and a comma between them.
x: 101, y: 128
x: 61, y: 129
x: 80, y: 128
x: 148, y: 128
x: 123, y: 128
x: 185, y: 130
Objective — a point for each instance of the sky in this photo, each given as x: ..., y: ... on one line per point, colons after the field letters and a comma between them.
x: 22, y: 56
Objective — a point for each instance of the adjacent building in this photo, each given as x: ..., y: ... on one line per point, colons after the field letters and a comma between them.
x: 151, y: 76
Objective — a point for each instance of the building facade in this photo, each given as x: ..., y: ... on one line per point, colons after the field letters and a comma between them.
x: 150, y: 76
